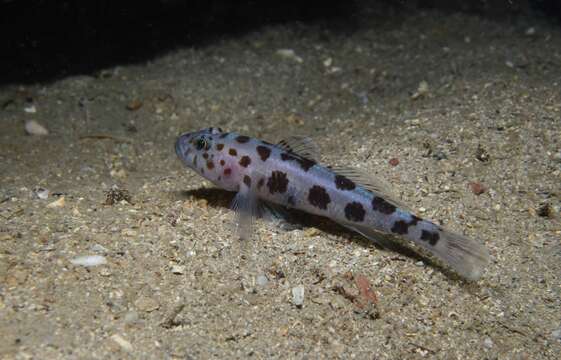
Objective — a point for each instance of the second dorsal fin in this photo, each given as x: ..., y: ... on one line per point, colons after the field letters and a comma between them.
x: 301, y: 145
x: 378, y: 186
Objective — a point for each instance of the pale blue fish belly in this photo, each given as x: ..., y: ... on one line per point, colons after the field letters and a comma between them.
x: 281, y: 174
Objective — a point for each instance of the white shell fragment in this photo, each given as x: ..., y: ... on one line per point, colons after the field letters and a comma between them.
x: 89, y: 260
x: 32, y: 127
x: 298, y: 295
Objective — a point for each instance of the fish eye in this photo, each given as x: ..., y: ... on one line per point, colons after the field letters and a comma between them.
x: 200, y: 144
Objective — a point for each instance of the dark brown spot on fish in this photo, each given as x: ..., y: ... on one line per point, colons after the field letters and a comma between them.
x: 233, y: 152
x: 210, y: 165
x: 245, y: 161
x: 400, y: 227
x: 227, y: 172
x: 318, y: 197
x: 381, y: 205
x: 264, y: 152
x: 219, y: 177
x: 223, y: 135
x: 414, y: 220
x: 430, y: 236
x: 305, y: 164
x: 260, y: 183
x: 277, y: 182
x: 222, y: 162
x: 355, y: 212
x: 344, y: 183
x: 291, y: 201
x: 205, y: 155
x: 247, y: 181
x: 202, y: 170
x: 219, y: 147
x: 242, y: 139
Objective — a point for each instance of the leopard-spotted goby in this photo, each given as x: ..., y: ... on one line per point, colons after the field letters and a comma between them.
x: 288, y: 174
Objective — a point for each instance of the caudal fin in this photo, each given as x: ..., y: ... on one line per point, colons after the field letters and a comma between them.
x: 466, y: 256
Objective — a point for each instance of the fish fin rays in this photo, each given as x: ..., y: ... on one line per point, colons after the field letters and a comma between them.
x: 377, y: 185
x: 377, y: 236
x: 468, y: 257
x: 301, y: 145
x: 247, y: 208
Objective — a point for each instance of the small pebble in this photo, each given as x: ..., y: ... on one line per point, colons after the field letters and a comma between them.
x: 546, y: 210
x: 178, y: 269
x: 99, y: 249
x: 440, y: 155
x: 57, y: 203
x: 134, y: 105
x: 41, y: 193
x: 105, y: 272
x: 146, y: 304
x: 422, y: 90
x: 89, y: 260
x: 298, y: 296
x: 488, y: 343
x: 32, y: 127
x: 289, y: 54
x: 420, y: 263
x: 262, y: 280
x: 30, y: 109
x: 131, y: 317
x: 476, y: 187
x: 124, y: 344
x: 556, y: 334
x: 310, y: 232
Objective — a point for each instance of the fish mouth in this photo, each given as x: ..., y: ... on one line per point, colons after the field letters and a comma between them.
x: 182, y: 147
x: 178, y: 147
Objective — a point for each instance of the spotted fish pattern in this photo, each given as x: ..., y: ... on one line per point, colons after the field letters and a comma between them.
x: 287, y: 174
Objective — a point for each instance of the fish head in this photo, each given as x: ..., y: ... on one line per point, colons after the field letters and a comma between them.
x: 197, y: 151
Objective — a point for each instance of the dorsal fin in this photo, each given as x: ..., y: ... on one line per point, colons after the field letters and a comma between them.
x: 301, y: 145
x: 376, y: 185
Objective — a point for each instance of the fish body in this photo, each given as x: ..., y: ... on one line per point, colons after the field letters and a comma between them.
x: 288, y: 174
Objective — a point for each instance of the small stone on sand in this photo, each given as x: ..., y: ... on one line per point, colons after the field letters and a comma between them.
x: 298, y: 295
x: 89, y: 260
x: 32, y: 127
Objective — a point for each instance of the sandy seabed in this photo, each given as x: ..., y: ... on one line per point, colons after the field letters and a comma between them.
x: 461, y: 114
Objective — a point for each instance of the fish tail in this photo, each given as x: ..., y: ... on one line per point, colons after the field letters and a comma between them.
x: 465, y: 255
x: 468, y: 257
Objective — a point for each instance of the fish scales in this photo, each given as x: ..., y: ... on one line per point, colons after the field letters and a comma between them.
x: 279, y: 174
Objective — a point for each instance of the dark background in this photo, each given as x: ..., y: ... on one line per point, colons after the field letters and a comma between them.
x: 45, y: 39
